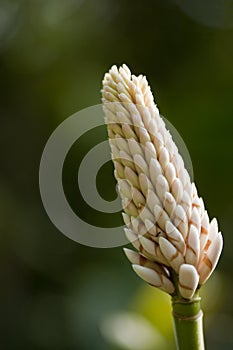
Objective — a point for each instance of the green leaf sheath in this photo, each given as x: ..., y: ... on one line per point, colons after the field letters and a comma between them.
x: 188, y: 323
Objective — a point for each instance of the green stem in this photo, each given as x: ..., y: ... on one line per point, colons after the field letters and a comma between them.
x: 187, y: 317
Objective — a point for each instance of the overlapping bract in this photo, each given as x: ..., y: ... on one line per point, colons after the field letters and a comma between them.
x: 166, y: 220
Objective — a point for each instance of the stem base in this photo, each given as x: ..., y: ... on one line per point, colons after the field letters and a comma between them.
x: 188, y: 323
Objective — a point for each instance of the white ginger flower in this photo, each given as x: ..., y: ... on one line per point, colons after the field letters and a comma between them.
x: 166, y: 219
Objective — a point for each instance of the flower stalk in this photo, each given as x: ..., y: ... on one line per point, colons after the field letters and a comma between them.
x: 177, y: 246
x: 188, y: 317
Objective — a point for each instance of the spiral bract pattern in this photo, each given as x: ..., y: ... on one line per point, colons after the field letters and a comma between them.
x: 165, y: 219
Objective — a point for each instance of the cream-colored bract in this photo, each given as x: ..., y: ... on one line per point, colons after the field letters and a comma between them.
x: 166, y: 219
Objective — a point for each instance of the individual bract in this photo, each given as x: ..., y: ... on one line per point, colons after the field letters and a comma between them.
x: 177, y: 245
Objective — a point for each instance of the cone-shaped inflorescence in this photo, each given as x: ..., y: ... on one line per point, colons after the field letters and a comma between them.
x: 165, y: 219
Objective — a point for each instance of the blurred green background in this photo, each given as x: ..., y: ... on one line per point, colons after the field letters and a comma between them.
x: 55, y: 293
